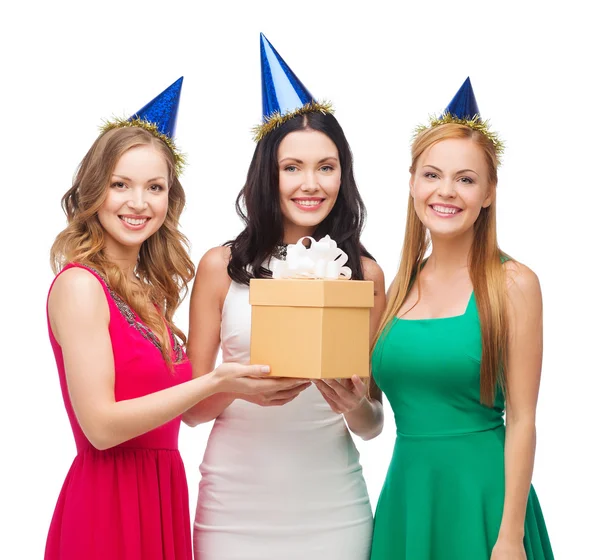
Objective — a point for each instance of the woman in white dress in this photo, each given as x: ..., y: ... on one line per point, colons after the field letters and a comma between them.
x: 281, y: 477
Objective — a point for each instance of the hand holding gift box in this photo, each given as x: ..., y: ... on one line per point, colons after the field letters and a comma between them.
x: 310, y: 321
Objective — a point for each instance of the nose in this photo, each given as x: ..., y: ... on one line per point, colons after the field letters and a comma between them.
x: 446, y: 188
x: 137, y: 201
x: 310, y: 183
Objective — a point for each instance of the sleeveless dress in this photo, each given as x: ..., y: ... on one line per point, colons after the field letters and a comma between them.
x: 278, y: 483
x: 444, y: 491
x: 129, y: 502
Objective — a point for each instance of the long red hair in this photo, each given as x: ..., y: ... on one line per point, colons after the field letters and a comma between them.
x: 485, y: 263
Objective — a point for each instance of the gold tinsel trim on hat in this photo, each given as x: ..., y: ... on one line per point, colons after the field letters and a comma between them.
x: 277, y: 119
x: 153, y: 129
x: 474, y: 123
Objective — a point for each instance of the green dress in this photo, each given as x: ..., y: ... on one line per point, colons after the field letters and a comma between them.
x: 444, y: 491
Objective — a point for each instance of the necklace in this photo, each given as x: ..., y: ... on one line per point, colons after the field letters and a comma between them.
x: 280, y: 251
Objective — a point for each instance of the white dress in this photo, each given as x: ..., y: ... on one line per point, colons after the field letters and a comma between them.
x: 278, y: 483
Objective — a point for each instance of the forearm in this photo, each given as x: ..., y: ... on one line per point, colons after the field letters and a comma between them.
x: 123, y: 420
x: 366, y: 421
x: 208, y: 409
x: 519, y: 455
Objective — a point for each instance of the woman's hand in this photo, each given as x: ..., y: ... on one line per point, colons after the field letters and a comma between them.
x: 281, y: 391
x: 509, y: 550
x: 342, y: 395
x: 252, y: 383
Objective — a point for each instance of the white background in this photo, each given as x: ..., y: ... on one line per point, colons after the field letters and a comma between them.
x: 386, y: 67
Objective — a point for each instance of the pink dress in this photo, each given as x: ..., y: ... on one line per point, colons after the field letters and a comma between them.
x: 129, y: 502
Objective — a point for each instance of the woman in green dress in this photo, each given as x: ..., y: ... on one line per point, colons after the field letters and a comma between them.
x: 460, y: 344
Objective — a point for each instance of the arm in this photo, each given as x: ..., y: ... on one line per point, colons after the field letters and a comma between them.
x: 79, y: 318
x: 524, y: 363
x: 206, y: 304
x: 363, y: 413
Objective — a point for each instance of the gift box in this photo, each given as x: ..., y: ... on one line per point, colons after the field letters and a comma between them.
x: 311, y: 327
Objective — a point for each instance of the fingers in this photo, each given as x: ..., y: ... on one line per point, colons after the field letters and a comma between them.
x: 232, y: 369
x: 353, y: 386
x: 272, y: 385
x: 360, y: 387
x: 330, y: 396
x: 342, y: 396
x: 265, y: 391
x: 338, y: 387
x: 289, y: 393
x: 258, y: 370
x: 278, y: 398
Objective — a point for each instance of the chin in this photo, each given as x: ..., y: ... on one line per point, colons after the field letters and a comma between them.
x: 308, y: 221
x: 448, y: 233
x: 131, y: 241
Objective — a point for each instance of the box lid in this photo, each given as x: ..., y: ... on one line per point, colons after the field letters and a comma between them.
x: 308, y: 292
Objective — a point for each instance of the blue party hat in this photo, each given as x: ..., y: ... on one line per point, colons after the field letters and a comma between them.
x: 463, y: 109
x: 464, y: 104
x: 162, y: 110
x: 284, y: 96
x: 158, y: 117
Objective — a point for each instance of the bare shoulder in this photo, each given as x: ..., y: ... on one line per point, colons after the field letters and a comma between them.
x: 77, y: 300
x: 212, y: 279
x: 522, y: 283
x: 215, y: 261
x: 77, y: 285
x: 371, y: 270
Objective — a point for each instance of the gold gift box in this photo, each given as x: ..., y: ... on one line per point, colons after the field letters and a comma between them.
x: 311, y: 329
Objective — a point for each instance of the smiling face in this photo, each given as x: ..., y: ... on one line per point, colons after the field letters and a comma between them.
x: 450, y: 186
x: 137, y: 200
x: 309, y: 181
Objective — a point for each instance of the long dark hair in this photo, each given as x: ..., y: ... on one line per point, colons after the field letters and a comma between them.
x: 259, y: 208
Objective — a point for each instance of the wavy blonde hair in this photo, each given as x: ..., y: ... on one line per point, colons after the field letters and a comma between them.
x: 164, y: 266
x: 485, y: 263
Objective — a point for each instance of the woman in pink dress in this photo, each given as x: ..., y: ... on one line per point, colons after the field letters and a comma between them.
x: 122, y: 265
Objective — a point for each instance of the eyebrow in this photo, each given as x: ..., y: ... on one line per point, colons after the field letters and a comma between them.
x: 459, y: 171
x: 128, y: 179
x: 300, y: 161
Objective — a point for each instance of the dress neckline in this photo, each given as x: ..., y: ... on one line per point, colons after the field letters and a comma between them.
x: 427, y: 319
x: 134, y: 319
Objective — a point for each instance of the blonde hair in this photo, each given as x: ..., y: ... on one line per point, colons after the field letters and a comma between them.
x: 164, y: 266
x: 485, y: 263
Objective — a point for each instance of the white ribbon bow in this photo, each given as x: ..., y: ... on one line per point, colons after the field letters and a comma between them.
x: 323, y: 259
